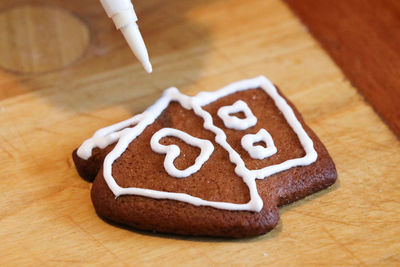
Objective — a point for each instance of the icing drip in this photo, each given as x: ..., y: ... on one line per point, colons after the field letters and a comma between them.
x: 109, y: 135
x: 259, y: 152
x: 173, y: 151
x: 236, y: 123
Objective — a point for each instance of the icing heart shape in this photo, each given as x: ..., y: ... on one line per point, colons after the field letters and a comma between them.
x: 234, y: 122
x: 259, y: 152
x: 173, y: 151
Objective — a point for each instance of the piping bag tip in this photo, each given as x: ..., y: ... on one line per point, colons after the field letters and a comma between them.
x: 124, y: 18
x: 147, y: 66
x: 135, y: 41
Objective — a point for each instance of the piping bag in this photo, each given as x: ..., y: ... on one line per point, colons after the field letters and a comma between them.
x: 124, y: 18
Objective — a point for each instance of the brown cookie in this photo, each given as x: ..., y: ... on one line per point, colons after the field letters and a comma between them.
x: 222, y: 183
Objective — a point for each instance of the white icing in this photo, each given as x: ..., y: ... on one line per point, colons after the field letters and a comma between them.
x: 259, y: 152
x: 173, y: 151
x: 234, y: 122
x: 105, y: 137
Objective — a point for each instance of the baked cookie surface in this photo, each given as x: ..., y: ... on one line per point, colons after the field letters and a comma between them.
x: 216, y: 164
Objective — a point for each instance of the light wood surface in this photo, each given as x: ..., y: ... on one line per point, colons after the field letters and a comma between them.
x: 46, y: 216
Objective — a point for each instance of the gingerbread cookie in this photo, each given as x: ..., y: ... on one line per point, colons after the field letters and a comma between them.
x: 216, y: 164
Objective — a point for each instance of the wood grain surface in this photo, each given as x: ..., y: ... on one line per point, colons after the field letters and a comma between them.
x: 363, y: 38
x: 46, y: 215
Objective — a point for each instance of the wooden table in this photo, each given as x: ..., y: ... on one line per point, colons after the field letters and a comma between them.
x: 363, y: 38
x: 66, y: 72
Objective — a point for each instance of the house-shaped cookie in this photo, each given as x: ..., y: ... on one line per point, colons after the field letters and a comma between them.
x: 218, y: 163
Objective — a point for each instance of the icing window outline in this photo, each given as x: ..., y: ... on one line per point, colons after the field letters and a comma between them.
x: 127, y: 135
x: 233, y: 122
x: 173, y: 151
x: 259, y: 152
